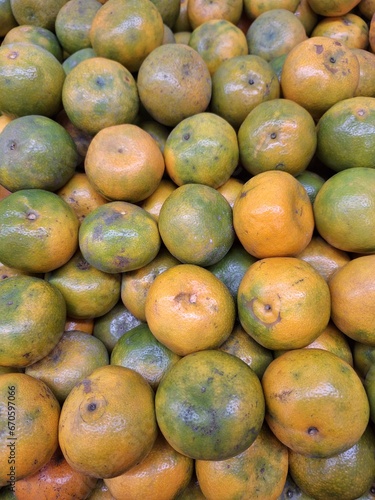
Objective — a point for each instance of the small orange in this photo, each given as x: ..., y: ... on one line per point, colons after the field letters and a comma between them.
x: 312, y: 182
x: 217, y: 40
x: 195, y: 224
x: 182, y: 22
x: 239, y: 84
x: 71, y: 61
x: 258, y: 472
x: 104, y: 432
x: 100, y: 93
x: 167, y: 101
x: 127, y: 31
x: 329, y: 9
x: 7, y: 19
x: 366, y: 85
x: 202, y: 149
x: 4, y: 120
x: 254, y: 8
x: 349, y: 29
x: 210, y: 405
x: 153, y: 203
x: 200, y: 11
x: 160, y: 476
x: 189, y: 309
x: 82, y: 325
x: 306, y: 15
x: 363, y: 358
x: 318, y: 72
x: 157, y: 131
x: 82, y: 139
x: 182, y: 37
x: 316, y: 403
x: 274, y: 33
x: 277, y: 135
x: 169, y: 10
x: 366, y: 9
x: 270, y: 307
x: 273, y: 215
x: 29, y: 426
x: 231, y: 189
x: 7, y: 272
x: 39, y: 231
x: 37, y: 35
x: 123, y: 162
x: 353, y: 294
x: 41, y: 13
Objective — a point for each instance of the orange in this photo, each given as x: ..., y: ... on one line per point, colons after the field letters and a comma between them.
x: 182, y: 22
x: 39, y: 231
x: 118, y: 237
x: 319, y: 72
x: 56, y: 479
x: 329, y: 9
x: 160, y: 476
x: 363, y: 358
x: 74, y: 357
x: 366, y: 9
x: 31, y: 80
x: 258, y: 472
x: 29, y: 426
x: 349, y: 29
x: 345, y: 133
x: 277, y: 65
x: 153, y: 203
x: 37, y: 35
x: 274, y: 33
x: 7, y: 272
x: 135, y: 284
x: 345, y: 476
x: 169, y: 11
x: 71, y: 61
x: 210, y: 405
x: 82, y: 139
x: 241, y: 345
x: 254, y: 8
x: 4, y: 120
x: 189, y: 309
x: 372, y: 34
x: 103, y: 432
x: 27, y: 338
x: 231, y: 189
x: 239, y: 84
x: 123, y: 162
x: 277, y: 135
x: 273, y: 216
x: 80, y: 194
x: 36, y: 152
x: 110, y: 327
x: 127, y: 31
x: 323, y: 257
x: 315, y: 402
x: 312, y: 182
x: 306, y: 15
x: 200, y: 11
x: 167, y: 101
x: 139, y: 350
x: 353, y: 293
x: 157, y: 131
x: 82, y: 325
x: 201, y: 149
x: 99, y: 93
x: 7, y: 20
x: 73, y: 23
x: 270, y: 307
x: 369, y: 384
x: 343, y: 210
x: 366, y: 86
x: 88, y: 292
x: 217, y: 40
x: 41, y: 13
x: 182, y: 37
x: 195, y: 224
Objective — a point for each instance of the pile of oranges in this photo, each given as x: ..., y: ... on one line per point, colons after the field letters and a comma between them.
x: 187, y: 249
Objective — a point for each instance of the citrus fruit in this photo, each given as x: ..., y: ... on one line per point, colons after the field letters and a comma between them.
x: 182, y: 37
x: 253, y: 8
x: 329, y: 9
x: 139, y: 350
x: 345, y: 133
x: 291, y: 490
x: 157, y: 131
x: 277, y: 135
x: 270, y: 307
x: 103, y: 432
x: 189, y: 309
x: 210, y: 405
x: 258, y: 472
x: 343, y: 210
x: 160, y: 476
x: 363, y: 357
x: 123, y: 162
x: 100, y: 93
x: 71, y: 61
x: 366, y: 86
x: 199, y: 11
x: 29, y: 426
x: 37, y: 12
x: 81, y: 138
x: 312, y: 182
x: 217, y: 40
x: 201, y: 149
x: 274, y: 33
x: 366, y: 9
x: 369, y: 383
x: 36, y: 152
x: 169, y: 11
x: 39, y: 231
x: 306, y: 15
x: 127, y: 31
x: 37, y: 35
x: 153, y: 203
x: 27, y: 332
x: 31, y: 80
x: 182, y: 22
x: 195, y: 224
x: 345, y: 476
x: 239, y: 84
x: 273, y: 215
x: 119, y: 236
x: 318, y: 72
x: 315, y: 402
x: 174, y: 83
x: 82, y: 325
x: 7, y: 20
x: 349, y: 29
x: 231, y: 189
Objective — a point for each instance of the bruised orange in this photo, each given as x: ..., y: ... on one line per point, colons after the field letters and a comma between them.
x: 349, y: 29
x: 37, y: 35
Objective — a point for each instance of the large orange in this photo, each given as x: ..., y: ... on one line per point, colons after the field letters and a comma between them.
x: 104, y: 432
x: 273, y: 216
x: 253, y: 8
x: 315, y: 402
x: 41, y: 13
x: 349, y: 29
x: 169, y: 10
x: 36, y: 35
x: 328, y: 8
x: 270, y: 307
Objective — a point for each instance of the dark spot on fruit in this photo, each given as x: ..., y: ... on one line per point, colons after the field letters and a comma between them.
x: 267, y: 307
x: 120, y: 261
x: 203, y: 389
x: 91, y: 407
x: 289, y: 493
x: 273, y: 135
x: 332, y: 60
x: 120, y: 150
x: 83, y: 265
x: 251, y: 81
x: 26, y: 355
x: 186, y: 137
x: 319, y: 49
x: 13, y: 55
x: 185, y: 69
x: 312, y: 431
x: 283, y: 396
x: 10, y: 303
x: 12, y: 145
x: 31, y: 215
x: 361, y: 112
x: 100, y: 81
x: 86, y: 385
x: 280, y: 166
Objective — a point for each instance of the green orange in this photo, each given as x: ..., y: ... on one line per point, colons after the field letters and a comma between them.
x: 37, y: 35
